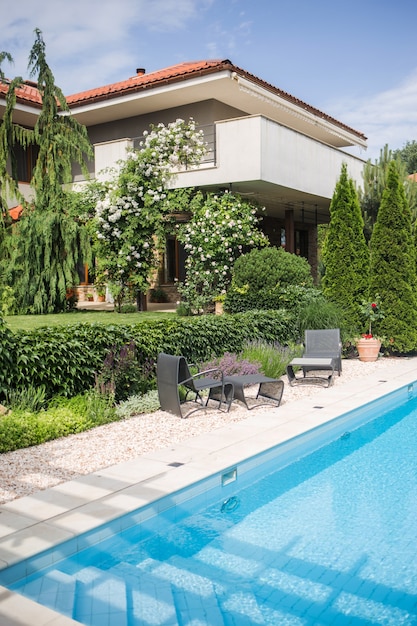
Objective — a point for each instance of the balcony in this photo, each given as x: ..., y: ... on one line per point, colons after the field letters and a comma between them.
x: 274, y: 165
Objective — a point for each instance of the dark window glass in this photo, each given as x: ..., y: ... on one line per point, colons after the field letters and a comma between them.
x: 25, y: 162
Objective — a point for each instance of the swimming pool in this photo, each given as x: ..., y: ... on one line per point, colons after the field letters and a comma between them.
x: 327, y: 539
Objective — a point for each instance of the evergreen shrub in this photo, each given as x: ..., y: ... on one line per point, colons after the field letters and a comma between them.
x: 137, y: 404
x: 393, y: 268
x: 323, y: 313
x: 263, y: 279
x: 345, y: 251
x: 67, y: 359
x: 267, y: 268
x: 23, y: 428
x: 292, y: 298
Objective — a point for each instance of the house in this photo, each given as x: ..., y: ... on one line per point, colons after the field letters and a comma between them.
x: 264, y: 143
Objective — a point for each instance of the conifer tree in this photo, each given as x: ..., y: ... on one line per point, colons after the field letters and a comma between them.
x: 49, y: 242
x: 345, y: 251
x: 10, y: 135
x: 393, y: 267
x: 374, y: 181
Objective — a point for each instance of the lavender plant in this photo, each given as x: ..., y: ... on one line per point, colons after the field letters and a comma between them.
x: 232, y: 365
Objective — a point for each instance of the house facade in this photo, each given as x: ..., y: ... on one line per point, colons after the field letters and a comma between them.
x: 263, y: 143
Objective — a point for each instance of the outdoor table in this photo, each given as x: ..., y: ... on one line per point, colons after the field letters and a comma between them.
x: 270, y: 388
x: 309, y: 364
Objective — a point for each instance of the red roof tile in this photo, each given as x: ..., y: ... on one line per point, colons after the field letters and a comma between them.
x: 183, y: 71
x: 16, y: 212
x: 26, y: 94
x: 172, y: 74
x: 143, y: 80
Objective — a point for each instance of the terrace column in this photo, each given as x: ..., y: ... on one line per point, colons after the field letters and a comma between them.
x: 289, y: 231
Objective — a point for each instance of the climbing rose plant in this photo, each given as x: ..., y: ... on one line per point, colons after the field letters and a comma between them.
x: 129, y: 217
x: 371, y: 312
x: 220, y: 230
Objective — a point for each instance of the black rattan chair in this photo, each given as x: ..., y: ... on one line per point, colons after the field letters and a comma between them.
x: 173, y: 372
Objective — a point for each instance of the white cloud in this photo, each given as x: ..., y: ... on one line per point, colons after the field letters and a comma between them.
x: 89, y: 43
x: 389, y: 117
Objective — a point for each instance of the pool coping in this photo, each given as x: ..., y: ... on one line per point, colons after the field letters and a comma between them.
x: 35, y: 523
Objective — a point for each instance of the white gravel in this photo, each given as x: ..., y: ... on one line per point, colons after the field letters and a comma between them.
x: 26, y: 471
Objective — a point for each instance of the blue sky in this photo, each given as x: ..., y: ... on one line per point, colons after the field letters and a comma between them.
x: 356, y: 60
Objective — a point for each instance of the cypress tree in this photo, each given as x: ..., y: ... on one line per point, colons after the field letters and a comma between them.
x: 345, y: 251
x: 393, y: 267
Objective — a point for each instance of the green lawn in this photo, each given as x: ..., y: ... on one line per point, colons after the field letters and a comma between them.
x: 29, y: 322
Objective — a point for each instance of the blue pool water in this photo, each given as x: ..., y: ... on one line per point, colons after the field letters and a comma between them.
x: 328, y: 538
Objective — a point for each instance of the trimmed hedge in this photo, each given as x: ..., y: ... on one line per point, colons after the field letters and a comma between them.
x: 8, y: 347
x: 292, y: 298
x: 65, y: 359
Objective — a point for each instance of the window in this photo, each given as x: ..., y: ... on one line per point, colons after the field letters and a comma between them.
x: 25, y: 162
x: 84, y: 273
x: 174, y: 261
x: 301, y: 243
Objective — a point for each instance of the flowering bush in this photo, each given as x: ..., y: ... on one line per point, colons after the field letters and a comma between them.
x: 129, y: 217
x: 371, y: 312
x: 220, y: 230
x: 231, y: 365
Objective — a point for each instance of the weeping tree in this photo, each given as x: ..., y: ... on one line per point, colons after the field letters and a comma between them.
x: 11, y: 135
x: 345, y: 251
x: 393, y: 267
x: 48, y: 241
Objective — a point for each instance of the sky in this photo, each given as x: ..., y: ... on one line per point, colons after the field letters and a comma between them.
x: 355, y: 61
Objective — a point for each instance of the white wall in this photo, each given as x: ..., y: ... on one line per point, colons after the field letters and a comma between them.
x: 256, y: 148
x: 108, y: 154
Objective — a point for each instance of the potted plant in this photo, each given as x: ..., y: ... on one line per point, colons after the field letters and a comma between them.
x: 218, y: 303
x: 368, y: 345
x: 101, y: 294
x: 89, y: 297
x: 157, y: 294
x: 100, y: 286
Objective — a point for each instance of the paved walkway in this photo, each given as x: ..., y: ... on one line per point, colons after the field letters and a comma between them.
x: 109, y: 306
x: 40, y: 521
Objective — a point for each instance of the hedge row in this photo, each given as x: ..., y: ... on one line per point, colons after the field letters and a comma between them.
x: 65, y: 359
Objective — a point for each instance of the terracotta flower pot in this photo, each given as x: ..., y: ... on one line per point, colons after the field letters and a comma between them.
x: 368, y: 348
x: 218, y: 308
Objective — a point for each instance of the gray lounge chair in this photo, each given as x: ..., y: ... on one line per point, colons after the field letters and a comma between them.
x: 322, y: 351
x: 173, y: 372
x: 323, y: 344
